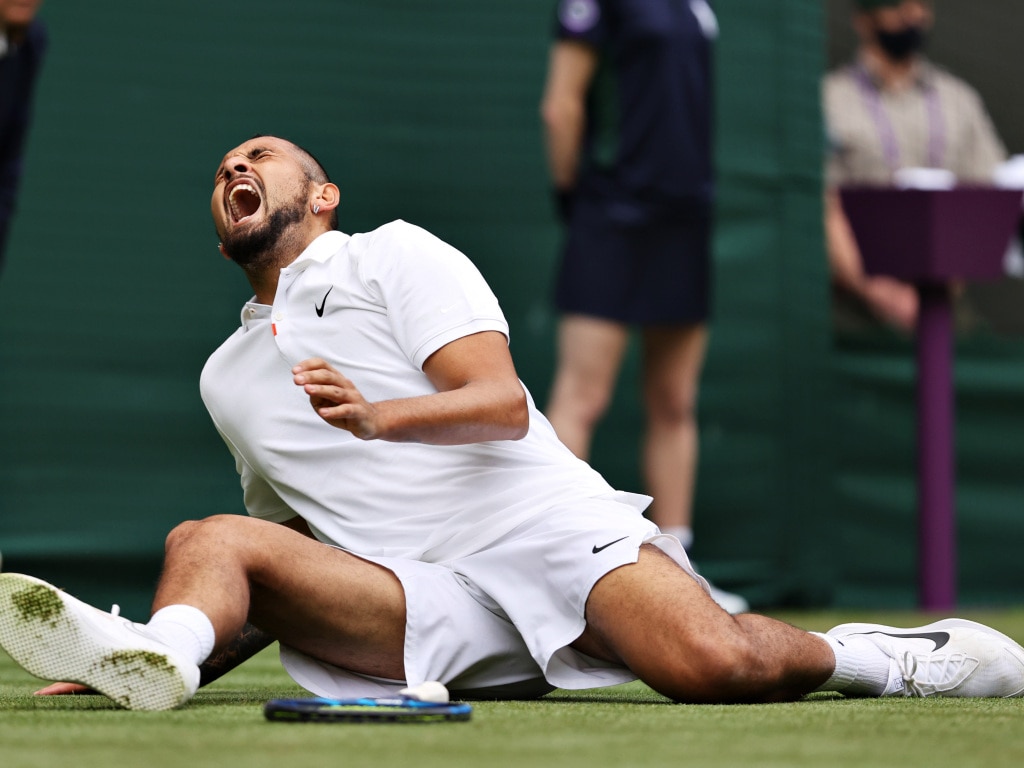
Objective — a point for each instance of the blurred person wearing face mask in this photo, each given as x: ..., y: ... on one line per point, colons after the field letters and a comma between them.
x: 892, y: 109
x: 23, y: 43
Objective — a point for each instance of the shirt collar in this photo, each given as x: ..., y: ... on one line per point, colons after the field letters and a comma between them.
x: 253, y: 313
x: 319, y: 251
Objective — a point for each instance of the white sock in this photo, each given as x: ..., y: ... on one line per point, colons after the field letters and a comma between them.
x: 862, y: 668
x: 682, y: 532
x: 183, y: 628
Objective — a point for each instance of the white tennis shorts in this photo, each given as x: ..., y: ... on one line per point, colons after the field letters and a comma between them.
x: 498, y: 624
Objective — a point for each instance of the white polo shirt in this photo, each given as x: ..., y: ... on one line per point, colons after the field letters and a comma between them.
x: 376, y: 306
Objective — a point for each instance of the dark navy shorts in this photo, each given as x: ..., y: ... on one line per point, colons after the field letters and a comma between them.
x: 636, y: 272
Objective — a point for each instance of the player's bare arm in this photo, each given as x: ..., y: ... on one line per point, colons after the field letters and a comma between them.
x: 479, y: 397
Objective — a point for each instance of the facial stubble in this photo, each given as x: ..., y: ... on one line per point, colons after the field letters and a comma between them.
x: 257, y: 247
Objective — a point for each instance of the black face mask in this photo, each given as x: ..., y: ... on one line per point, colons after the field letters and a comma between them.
x: 900, y: 46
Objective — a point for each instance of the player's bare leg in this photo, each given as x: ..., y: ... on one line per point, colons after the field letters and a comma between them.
x: 220, y: 573
x: 658, y: 621
x: 315, y: 598
x: 655, y: 619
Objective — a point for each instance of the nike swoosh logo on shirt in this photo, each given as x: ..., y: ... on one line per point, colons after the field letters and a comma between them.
x: 320, y: 308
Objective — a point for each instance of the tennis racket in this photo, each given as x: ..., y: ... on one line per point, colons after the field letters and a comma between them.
x: 364, y: 710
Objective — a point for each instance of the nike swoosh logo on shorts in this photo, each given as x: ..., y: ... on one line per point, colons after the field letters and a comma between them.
x: 320, y: 308
x: 597, y: 549
x: 939, y: 638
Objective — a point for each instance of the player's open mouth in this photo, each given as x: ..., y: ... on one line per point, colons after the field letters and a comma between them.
x: 243, y: 202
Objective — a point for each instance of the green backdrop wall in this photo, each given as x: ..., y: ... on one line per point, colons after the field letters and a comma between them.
x: 114, y: 292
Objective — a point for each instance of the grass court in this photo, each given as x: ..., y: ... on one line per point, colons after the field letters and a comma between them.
x: 629, y: 726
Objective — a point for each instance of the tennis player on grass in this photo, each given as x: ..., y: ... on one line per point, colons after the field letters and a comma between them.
x: 413, y: 516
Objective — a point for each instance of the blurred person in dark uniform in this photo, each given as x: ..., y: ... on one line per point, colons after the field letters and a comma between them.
x: 627, y: 111
x: 23, y: 43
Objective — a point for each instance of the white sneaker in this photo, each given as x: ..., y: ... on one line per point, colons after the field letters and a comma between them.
x: 952, y: 657
x: 55, y: 636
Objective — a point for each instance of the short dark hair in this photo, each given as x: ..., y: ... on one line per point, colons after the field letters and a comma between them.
x: 314, y: 169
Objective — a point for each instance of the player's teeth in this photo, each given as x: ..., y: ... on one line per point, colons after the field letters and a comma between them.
x: 232, y: 199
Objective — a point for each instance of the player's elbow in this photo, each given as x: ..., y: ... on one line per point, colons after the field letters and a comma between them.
x: 518, y: 414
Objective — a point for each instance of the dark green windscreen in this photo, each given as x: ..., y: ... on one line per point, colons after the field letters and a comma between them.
x: 114, y: 292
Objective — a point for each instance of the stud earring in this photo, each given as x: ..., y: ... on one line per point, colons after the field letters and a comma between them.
x: 316, y: 209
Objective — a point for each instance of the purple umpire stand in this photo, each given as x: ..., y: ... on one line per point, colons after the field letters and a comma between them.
x: 930, y: 238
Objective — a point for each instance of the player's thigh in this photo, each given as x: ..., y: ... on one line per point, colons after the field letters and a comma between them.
x: 331, y: 605
x: 656, y: 619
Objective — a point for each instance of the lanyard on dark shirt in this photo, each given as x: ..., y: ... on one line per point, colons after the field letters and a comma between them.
x: 890, y: 147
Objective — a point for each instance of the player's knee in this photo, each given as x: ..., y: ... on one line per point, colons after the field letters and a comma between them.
x: 718, y: 669
x: 199, y: 533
